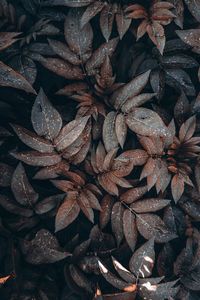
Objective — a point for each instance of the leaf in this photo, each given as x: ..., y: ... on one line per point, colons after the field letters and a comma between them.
x: 99, y: 55
x: 45, y: 118
x: 130, y: 229
x: 70, y: 3
x: 191, y: 38
x: 180, y: 79
x: 120, y: 129
x: 21, y: 188
x: 90, y: 12
x: 64, y: 52
x: 43, y: 248
x: 150, y: 225
x: 79, y: 278
x: 177, y: 187
x: 142, y: 261
x: 111, y: 278
x: 194, y: 8
x: 179, y: 12
x: 10, y: 78
x: 149, y: 205
x: 158, y: 291
x: 67, y: 213
x: 85, y: 207
x: 106, y: 209
x: 34, y: 158
x: 62, y: 68
x: 106, y: 20
x: 78, y: 39
x: 6, y: 173
x: 70, y: 133
x: 7, y: 39
x: 26, y: 67
x: 133, y: 194
x: 122, y: 22
x: 32, y: 140
x: 47, y: 204
x: 117, y: 222
x: 146, y: 122
x: 187, y: 129
x: 4, y: 279
x: 131, y: 89
x: 181, y: 108
x: 14, y: 208
x: 123, y: 272
x: 109, y: 134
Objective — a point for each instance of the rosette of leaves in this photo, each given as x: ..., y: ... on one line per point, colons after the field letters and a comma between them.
x: 51, y: 142
x: 109, y: 12
x: 127, y: 100
x: 132, y: 214
x: 169, y: 68
x: 170, y: 159
x: 25, y: 205
x: 138, y: 280
x: 153, y: 20
x: 77, y: 59
x: 81, y: 196
x: 19, y: 56
x: 111, y: 170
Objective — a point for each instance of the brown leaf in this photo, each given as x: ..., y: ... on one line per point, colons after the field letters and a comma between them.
x: 7, y: 39
x: 149, y: 205
x: 142, y: 261
x: 22, y: 189
x: 106, y: 20
x: 129, y: 90
x: 48, y: 204
x: 70, y: 133
x: 107, y: 184
x: 146, y: 122
x: 150, y: 225
x: 123, y: 23
x: 106, y: 209
x: 120, y: 129
x: 32, y: 140
x: 79, y: 39
x: 177, y: 187
x: 99, y: 55
x: 62, y: 68
x: 91, y: 11
x: 187, y: 129
x: 64, y: 52
x: 117, y: 222
x: 85, y: 207
x: 4, y: 279
x: 10, y: 78
x: 67, y: 213
x: 133, y: 194
x: 34, y: 158
x: 45, y: 118
x: 130, y: 229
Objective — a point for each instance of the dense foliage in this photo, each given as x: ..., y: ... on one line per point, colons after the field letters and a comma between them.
x: 99, y: 150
